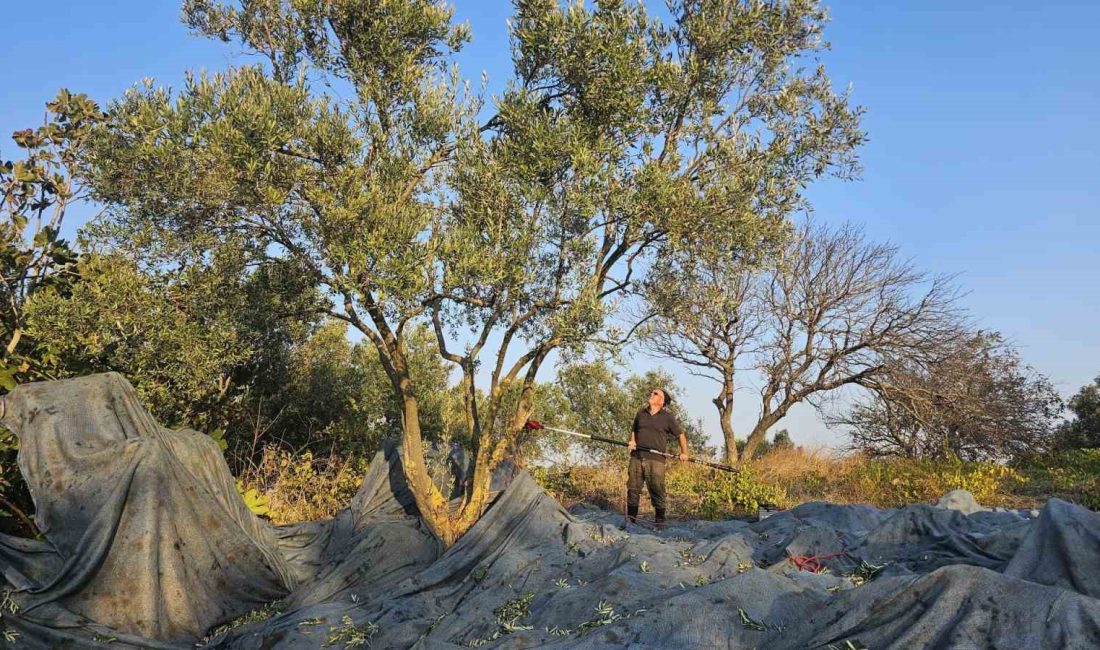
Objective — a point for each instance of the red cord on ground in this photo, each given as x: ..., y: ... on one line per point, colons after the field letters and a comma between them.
x: 812, y: 563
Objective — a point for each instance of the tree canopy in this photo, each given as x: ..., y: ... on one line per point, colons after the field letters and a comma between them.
x: 356, y: 158
x: 825, y: 310
x: 1084, y: 429
x: 975, y: 400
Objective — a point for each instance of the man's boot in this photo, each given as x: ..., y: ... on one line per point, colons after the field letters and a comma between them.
x: 632, y: 514
x: 659, y: 519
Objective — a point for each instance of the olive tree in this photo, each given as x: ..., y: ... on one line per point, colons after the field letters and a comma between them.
x: 1083, y: 430
x: 35, y: 195
x: 598, y: 400
x: 355, y: 152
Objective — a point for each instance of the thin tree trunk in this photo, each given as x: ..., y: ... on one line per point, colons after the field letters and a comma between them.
x: 756, y: 438
x: 724, y: 402
x: 725, y: 417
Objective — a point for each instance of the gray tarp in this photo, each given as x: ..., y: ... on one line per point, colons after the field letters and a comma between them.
x: 116, y: 494
x: 144, y: 529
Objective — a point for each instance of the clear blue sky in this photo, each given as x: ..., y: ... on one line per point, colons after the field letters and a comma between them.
x: 983, y: 159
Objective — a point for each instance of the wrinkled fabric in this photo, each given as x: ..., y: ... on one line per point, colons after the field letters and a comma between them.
x: 579, y: 580
x: 143, y: 527
x: 529, y: 573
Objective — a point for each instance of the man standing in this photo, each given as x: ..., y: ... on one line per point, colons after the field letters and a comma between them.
x: 653, y: 425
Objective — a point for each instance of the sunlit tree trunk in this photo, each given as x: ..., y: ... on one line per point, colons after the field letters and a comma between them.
x: 724, y: 402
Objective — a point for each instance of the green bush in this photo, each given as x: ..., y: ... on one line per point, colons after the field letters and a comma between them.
x: 900, y: 481
x: 1073, y: 475
x: 706, y: 494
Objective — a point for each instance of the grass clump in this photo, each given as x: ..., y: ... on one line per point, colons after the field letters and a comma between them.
x: 303, y: 487
x: 511, y: 612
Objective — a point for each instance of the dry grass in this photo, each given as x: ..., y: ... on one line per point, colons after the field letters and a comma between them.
x: 304, y: 488
x: 817, y: 475
x: 792, y: 476
x: 809, y: 474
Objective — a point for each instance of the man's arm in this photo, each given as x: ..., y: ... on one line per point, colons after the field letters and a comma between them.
x: 683, y: 438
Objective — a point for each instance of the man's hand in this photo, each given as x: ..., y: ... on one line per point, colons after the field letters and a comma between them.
x: 683, y: 456
x: 632, y: 445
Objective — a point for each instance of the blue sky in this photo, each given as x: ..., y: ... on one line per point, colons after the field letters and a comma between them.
x: 983, y: 156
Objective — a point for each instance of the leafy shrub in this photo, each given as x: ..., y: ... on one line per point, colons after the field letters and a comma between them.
x: 303, y: 487
x: 252, y: 498
x: 1073, y: 475
x: 708, y: 494
x: 900, y: 481
x: 602, y: 485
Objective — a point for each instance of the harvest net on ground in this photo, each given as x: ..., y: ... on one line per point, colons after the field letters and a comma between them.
x: 147, y: 544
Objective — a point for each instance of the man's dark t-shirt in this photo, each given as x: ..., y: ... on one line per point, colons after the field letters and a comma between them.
x: 653, y: 431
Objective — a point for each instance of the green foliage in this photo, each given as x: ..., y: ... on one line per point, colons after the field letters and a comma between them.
x: 560, y: 483
x: 511, y: 612
x: 866, y: 572
x: 176, y: 338
x: 252, y: 498
x: 749, y: 622
x: 218, y: 436
x: 35, y: 193
x: 693, y: 492
x: 605, y: 615
x: 1072, y: 474
x: 781, y: 440
x: 255, y: 616
x: 340, y: 393
x: 1084, y: 429
x: 233, y: 351
x: 721, y: 495
x: 620, y: 136
x: 350, y: 635
x: 8, y: 606
x: 304, y: 487
x: 597, y: 400
x: 897, y: 482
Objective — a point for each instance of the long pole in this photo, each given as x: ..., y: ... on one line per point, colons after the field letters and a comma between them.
x: 535, y: 425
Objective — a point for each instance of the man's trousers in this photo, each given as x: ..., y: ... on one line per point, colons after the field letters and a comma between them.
x: 650, y: 471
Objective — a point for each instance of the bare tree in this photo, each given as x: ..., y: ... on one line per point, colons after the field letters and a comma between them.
x: 977, y: 400
x: 708, y: 326
x: 828, y: 310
